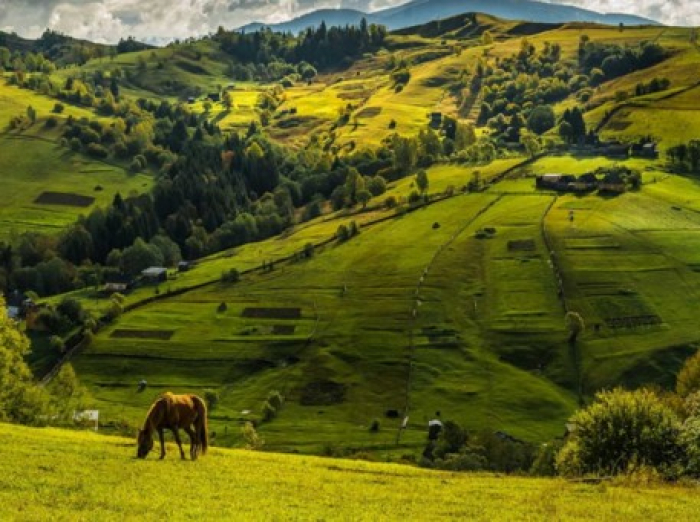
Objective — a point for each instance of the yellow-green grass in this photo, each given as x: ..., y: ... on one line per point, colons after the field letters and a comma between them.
x: 443, y: 176
x: 31, y: 166
x: 14, y: 102
x: 60, y: 475
x: 669, y: 126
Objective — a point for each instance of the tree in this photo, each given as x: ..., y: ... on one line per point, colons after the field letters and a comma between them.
x: 574, y: 324
x: 252, y: 440
x: 140, y: 256
x: 20, y: 399
x: 211, y: 397
x: 688, y: 380
x: 422, y: 181
x: 227, y: 100
x: 541, y: 119
x: 465, y: 136
x: 619, y: 431
x: 566, y: 131
x: 363, y: 197
x: 531, y: 143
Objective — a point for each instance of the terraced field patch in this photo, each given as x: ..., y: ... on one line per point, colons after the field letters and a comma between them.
x: 64, y: 198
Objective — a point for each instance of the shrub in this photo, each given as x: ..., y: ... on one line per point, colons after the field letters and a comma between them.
x: 688, y: 380
x: 622, y: 430
x: 211, y: 397
x: 57, y: 344
x: 275, y: 399
x: 391, y: 202
x: 269, y: 412
x: 374, y: 426
x: 252, y: 440
x: 342, y: 233
x: 230, y: 276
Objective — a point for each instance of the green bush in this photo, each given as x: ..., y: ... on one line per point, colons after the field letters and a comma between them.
x: 269, y: 412
x: 688, y: 380
x: 620, y: 431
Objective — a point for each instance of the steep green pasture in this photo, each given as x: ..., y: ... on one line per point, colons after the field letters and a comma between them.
x: 356, y: 330
x: 633, y: 279
x: 60, y: 475
x: 31, y: 166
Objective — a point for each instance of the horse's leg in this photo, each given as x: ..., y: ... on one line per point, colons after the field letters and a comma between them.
x: 162, y: 443
x: 194, y: 442
x: 176, y: 432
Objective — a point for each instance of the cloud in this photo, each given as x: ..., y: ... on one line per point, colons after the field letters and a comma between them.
x: 669, y: 12
x: 163, y: 20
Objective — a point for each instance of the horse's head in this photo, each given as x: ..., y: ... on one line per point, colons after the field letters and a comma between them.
x: 145, y: 443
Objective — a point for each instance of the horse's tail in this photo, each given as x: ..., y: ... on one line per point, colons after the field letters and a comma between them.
x: 201, y: 424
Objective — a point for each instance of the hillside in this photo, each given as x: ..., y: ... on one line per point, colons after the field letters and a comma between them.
x: 419, y: 12
x: 59, y: 475
x: 423, y: 309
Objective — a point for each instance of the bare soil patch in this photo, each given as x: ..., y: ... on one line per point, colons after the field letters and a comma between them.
x: 272, y: 313
x: 521, y: 245
x: 369, y: 112
x: 322, y: 393
x: 283, y: 329
x: 619, y: 125
x: 161, y: 335
x: 64, y: 198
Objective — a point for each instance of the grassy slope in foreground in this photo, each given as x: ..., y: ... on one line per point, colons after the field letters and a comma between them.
x: 59, y: 475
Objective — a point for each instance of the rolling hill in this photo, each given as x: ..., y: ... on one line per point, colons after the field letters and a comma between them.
x: 419, y: 12
x: 422, y: 310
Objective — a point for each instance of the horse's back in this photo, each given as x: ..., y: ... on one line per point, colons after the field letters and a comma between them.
x: 182, y: 408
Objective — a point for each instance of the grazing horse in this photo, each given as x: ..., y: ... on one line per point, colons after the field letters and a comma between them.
x: 173, y: 412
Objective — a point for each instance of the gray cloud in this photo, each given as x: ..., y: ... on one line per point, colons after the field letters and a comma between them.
x: 163, y: 20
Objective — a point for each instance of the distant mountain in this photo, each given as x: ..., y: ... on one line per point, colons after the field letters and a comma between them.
x: 420, y: 12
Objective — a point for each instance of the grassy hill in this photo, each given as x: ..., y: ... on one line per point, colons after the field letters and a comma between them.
x: 420, y: 311
x: 60, y: 475
x: 486, y: 343
x: 46, y: 185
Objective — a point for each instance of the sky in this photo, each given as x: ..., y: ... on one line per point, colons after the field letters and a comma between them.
x: 159, y: 21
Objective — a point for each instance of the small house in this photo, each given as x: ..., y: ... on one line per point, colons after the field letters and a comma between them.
x: 191, y: 100
x: 117, y: 283
x: 559, y: 182
x: 184, y: 266
x: 612, y: 183
x: 155, y: 274
x: 214, y: 96
x: 17, y: 304
x: 645, y: 150
x: 616, y: 150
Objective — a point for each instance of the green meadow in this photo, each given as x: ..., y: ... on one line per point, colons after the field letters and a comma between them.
x: 61, y: 475
x: 457, y: 306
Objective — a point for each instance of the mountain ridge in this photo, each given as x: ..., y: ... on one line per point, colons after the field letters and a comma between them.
x: 420, y: 12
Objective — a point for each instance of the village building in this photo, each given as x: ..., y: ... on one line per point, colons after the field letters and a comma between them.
x: 155, y: 274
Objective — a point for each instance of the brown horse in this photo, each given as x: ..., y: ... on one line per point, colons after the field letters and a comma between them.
x: 173, y: 412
